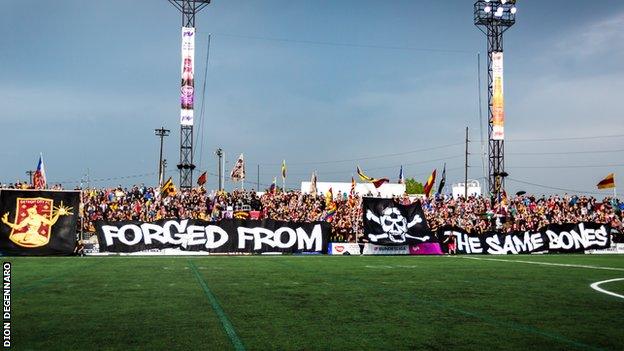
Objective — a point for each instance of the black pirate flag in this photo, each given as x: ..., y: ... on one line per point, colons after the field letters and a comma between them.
x: 387, y: 222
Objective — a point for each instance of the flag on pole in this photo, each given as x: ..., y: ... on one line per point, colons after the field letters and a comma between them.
x: 202, y: 179
x: 284, y: 169
x: 429, y: 184
x: 39, y: 177
x: 401, y: 179
x: 442, y: 181
x: 273, y: 187
x: 376, y: 182
x: 313, y: 189
x: 607, y: 183
x: 238, y: 172
x: 168, y: 188
x: 352, y: 186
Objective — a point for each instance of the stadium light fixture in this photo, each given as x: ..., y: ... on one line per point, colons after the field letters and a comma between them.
x: 493, y: 18
x: 499, y: 12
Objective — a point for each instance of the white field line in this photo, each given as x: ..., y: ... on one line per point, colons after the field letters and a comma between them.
x: 596, y: 287
x: 548, y: 264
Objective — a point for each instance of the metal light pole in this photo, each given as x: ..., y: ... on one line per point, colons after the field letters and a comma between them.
x: 493, y: 18
x: 161, y: 133
x: 188, y: 8
x: 219, y: 153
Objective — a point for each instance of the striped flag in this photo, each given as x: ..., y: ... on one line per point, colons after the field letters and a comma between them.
x: 39, y: 177
x: 607, y: 183
x: 429, y: 184
x: 352, y: 186
x: 283, y: 169
x: 168, y: 188
x: 376, y: 182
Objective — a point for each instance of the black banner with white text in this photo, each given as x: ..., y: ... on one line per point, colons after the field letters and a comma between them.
x: 225, y: 236
x: 553, y: 238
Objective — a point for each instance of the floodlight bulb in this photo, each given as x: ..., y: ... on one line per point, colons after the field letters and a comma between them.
x: 499, y: 12
x: 503, y: 1
x: 487, y: 9
x: 514, y: 10
x: 487, y: 0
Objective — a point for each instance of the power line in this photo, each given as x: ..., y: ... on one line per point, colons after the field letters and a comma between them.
x: 388, y: 167
x: 352, y: 45
x: 563, y: 139
x: 566, y: 152
x: 570, y: 166
x: 366, y: 157
x: 97, y: 180
x: 552, y: 187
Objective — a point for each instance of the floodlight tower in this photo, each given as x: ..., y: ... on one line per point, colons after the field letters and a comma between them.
x: 493, y: 18
x: 188, y: 8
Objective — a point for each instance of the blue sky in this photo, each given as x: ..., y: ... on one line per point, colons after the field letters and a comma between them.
x: 86, y: 83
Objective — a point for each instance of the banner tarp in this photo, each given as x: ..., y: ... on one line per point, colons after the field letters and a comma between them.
x: 563, y: 238
x: 38, y: 223
x: 225, y: 236
x: 389, y: 223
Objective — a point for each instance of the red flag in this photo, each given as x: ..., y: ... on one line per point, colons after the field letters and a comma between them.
x: 607, y: 183
x: 429, y: 184
x: 202, y: 179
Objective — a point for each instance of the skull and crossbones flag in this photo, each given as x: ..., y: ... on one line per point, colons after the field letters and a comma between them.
x: 387, y: 222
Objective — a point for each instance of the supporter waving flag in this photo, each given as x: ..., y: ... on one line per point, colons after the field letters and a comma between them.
x: 376, y: 182
x: 238, y: 171
x: 607, y: 183
x: 313, y: 189
x: 202, y: 179
x: 168, y: 189
x: 39, y: 177
x: 429, y: 184
x: 442, y: 180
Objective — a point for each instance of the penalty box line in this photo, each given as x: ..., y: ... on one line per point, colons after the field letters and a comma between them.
x: 223, y: 318
x: 546, y: 263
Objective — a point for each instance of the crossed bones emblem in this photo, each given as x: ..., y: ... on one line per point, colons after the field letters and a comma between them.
x: 394, y: 225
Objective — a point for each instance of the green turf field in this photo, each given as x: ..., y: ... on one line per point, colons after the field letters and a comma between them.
x: 316, y: 303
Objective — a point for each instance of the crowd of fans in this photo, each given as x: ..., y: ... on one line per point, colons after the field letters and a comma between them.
x: 342, y: 210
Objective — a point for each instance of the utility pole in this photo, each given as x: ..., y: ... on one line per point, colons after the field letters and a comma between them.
x: 466, y: 169
x: 30, y: 174
x: 164, y: 169
x: 219, y: 153
x: 258, y: 184
x: 161, y: 133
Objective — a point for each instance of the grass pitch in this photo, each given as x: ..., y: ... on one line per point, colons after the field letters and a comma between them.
x: 316, y: 303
